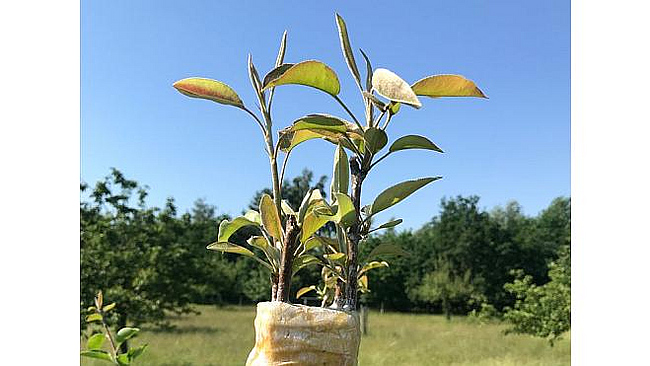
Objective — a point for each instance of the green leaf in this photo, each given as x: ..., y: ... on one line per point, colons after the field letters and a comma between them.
x: 108, y: 307
x: 309, y: 73
x: 388, y: 224
x: 271, y: 252
x: 96, y: 341
x: 226, y: 247
x: 341, y: 240
x: 254, y: 216
x: 302, y: 211
x: 254, y: 77
x: 334, y: 256
x: 283, y: 47
x: 342, y: 212
x: 347, y: 49
x: 290, y: 138
x: 375, y: 139
x: 393, y: 108
x: 125, y: 334
x: 363, y: 283
x: 372, y: 265
x: 438, y: 86
x: 389, y: 85
x: 276, y: 73
x: 305, y: 290
x: 286, y: 208
x: 323, y: 241
x: 93, y: 317
x: 135, y: 352
x: 312, y: 219
x: 303, y: 261
x: 123, y: 360
x: 320, y: 122
x: 345, y: 213
x: 102, y: 355
x: 368, y: 71
x: 311, y: 224
x: 397, y: 193
x: 313, y: 242
x: 270, y: 218
x: 209, y: 89
x: 387, y: 249
x: 227, y: 228
x: 341, y: 173
x: 413, y: 142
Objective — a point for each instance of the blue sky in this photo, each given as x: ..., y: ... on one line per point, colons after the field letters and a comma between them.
x: 513, y: 146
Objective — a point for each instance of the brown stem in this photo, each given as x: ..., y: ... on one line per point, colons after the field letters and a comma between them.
x: 354, y: 235
x: 109, y: 334
x: 339, y: 295
x: 274, y: 287
x: 286, y: 262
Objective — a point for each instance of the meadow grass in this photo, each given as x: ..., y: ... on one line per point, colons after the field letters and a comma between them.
x: 224, y: 336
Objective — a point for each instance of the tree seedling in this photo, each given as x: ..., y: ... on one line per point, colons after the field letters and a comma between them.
x: 287, y: 238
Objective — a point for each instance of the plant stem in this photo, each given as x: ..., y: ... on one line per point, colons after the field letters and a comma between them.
x: 387, y: 122
x: 286, y: 262
x: 284, y: 166
x: 275, y: 180
x: 376, y: 123
x: 339, y: 294
x: 274, y: 287
x: 108, y: 333
x: 354, y: 235
x: 380, y: 159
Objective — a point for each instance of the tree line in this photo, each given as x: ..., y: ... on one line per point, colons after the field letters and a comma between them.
x: 152, y: 261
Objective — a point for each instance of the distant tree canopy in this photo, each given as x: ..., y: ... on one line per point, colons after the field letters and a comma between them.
x: 152, y: 261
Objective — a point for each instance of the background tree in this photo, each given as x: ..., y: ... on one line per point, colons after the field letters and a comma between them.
x: 152, y: 260
x: 446, y: 288
x: 131, y: 253
x: 543, y: 311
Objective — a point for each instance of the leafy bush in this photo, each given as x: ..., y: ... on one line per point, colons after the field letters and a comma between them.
x: 543, y: 311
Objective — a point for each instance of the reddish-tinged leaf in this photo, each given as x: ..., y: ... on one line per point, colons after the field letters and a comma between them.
x: 209, y: 89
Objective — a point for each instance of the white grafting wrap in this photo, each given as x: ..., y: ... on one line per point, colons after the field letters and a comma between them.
x: 288, y: 334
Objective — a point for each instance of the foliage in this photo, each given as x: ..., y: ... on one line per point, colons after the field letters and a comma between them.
x: 95, y: 343
x: 143, y: 257
x: 287, y: 236
x: 447, y: 288
x: 456, y: 233
x: 543, y: 311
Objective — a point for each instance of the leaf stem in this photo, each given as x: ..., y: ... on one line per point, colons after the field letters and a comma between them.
x: 390, y: 116
x: 378, y: 160
x: 376, y: 123
x: 259, y: 122
x: 284, y: 166
x: 348, y: 110
x: 354, y: 148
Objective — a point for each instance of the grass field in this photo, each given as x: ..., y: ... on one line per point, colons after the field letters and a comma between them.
x: 224, y: 336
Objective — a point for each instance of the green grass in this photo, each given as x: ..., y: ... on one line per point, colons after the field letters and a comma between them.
x: 224, y: 336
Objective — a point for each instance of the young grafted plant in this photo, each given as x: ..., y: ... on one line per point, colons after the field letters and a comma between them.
x: 287, y: 239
